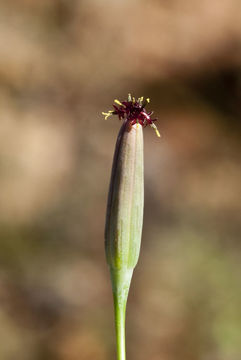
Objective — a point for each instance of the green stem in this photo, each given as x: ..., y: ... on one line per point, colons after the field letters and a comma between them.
x: 121, y: 280
x: 120, y: 311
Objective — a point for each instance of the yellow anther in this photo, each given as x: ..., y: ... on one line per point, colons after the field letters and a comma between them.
x: 133, y: 100
x: 156, y: 130
x: 107, y: 114
x: 129, y: 97
x: 118, y: 102
x: 141, y: 99
x: 148, y: 100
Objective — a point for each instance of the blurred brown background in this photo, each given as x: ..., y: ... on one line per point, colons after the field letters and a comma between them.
x: 62, y: 62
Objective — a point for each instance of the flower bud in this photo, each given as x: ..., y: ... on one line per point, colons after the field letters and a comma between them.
x: 125, y: 203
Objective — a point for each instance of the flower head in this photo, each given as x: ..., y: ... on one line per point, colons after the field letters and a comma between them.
x: 134, y: 112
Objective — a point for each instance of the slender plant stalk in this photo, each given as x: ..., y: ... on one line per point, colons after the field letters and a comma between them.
x: 125, y: 207
x: 121, y: 281
x: 120, y: 311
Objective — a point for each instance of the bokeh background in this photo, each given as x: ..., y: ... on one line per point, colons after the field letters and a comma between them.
x: 62, y: 62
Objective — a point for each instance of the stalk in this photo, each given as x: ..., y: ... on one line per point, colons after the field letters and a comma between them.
x: 120, y: 283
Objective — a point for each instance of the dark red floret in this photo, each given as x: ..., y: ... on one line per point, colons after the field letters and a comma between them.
x: 134, y: 111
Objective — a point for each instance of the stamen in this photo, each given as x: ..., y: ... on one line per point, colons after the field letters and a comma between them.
x: 140, y: 100
x: 118, y: 102
x: 148, y: 100
x: 110, y: 112
x: 156, y: 130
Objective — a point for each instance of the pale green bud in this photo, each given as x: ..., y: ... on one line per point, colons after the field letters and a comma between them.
x: 126, y: 197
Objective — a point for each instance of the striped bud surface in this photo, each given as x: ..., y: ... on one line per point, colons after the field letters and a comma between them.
x: 125, y: 203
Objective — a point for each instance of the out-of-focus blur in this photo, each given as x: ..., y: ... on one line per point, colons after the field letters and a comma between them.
x: 62, y: 62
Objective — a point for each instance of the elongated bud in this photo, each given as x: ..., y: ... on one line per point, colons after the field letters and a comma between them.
x: 125, y: 205
x: 125, y: 202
